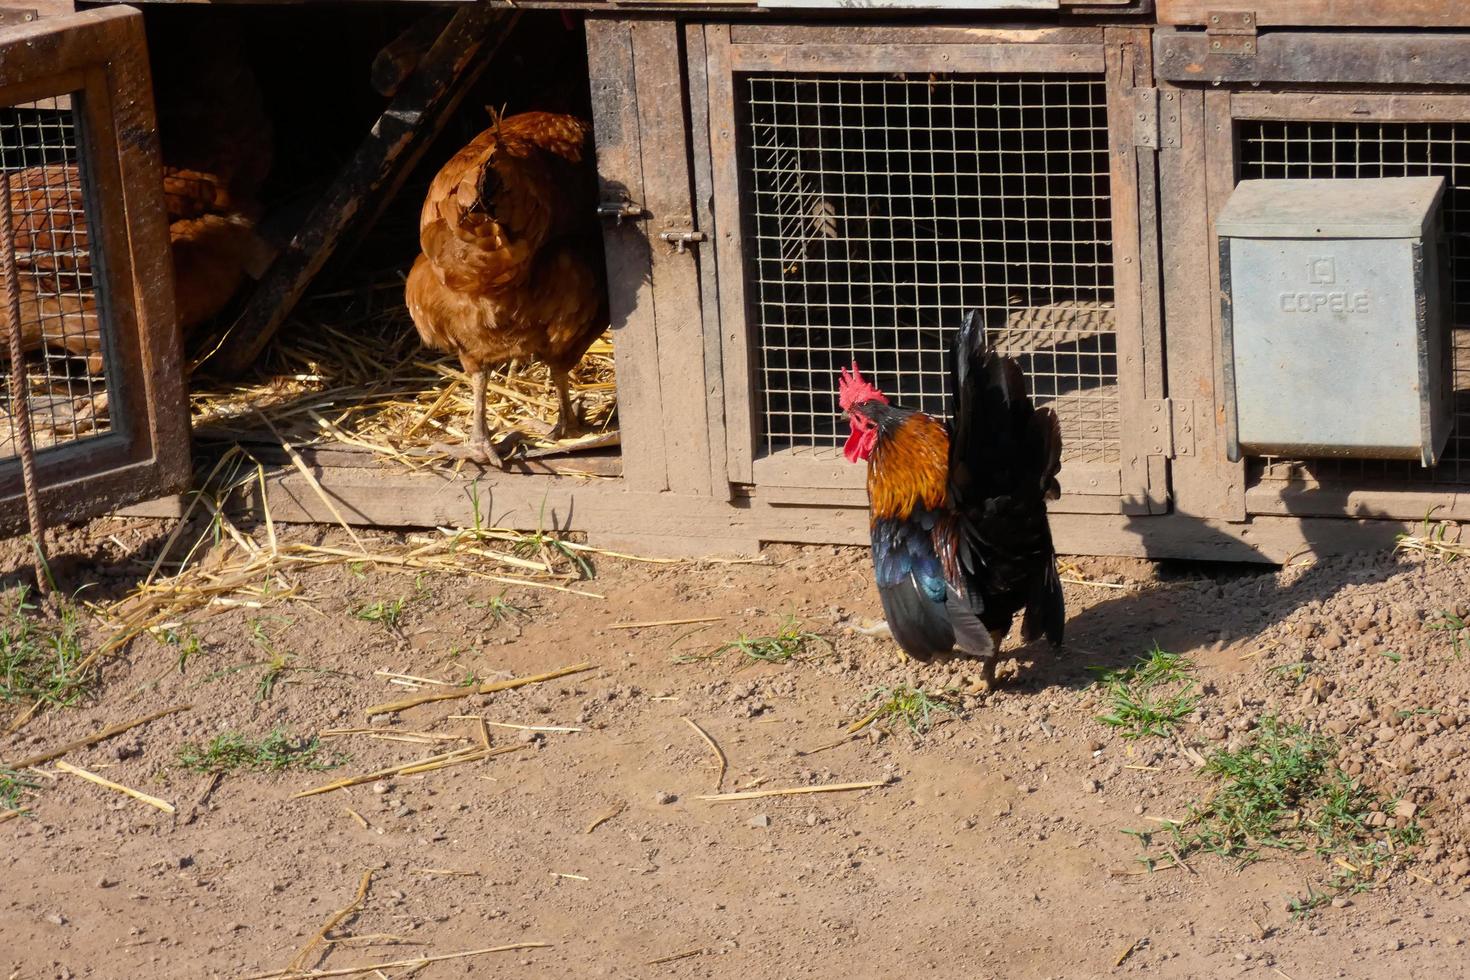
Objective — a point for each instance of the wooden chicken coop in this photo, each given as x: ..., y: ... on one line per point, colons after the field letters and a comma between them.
x: 792, y: 184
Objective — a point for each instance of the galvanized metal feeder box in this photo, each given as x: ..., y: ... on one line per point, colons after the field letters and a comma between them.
x: 1334, y: 338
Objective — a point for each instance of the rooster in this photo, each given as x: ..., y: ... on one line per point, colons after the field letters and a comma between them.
x: 512, y: 260
x: 961, y: 542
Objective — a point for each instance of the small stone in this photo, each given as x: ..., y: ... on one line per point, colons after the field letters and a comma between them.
x: 1091, y: 786
x: 663, y: 799
x: 811, y: 820
x: 1341, y: 903
x: 105, y: 882
x: 381, y: 787
x: 1404, y: 808
x: 1460, y: 868
x: 56, y: 918
x: 1332, y: 641
x: 1094, y: 746
x: 378, y: 719
x: 760, y: 821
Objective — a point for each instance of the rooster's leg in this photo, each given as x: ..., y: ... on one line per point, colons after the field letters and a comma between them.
x: 569, y: 423
x: 987, y: 666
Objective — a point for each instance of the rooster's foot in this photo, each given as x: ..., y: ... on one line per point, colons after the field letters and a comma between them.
x: 987, y: 684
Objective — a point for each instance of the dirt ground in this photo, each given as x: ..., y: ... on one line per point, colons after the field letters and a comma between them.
x: 995, y: 848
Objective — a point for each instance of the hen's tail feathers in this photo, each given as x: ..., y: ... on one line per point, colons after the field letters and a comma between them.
x: 1046, y: 609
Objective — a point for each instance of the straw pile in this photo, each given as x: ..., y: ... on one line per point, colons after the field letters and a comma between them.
x: 349, y: 369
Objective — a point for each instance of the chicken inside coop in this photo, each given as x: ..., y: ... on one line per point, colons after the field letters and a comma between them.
x: 512, y: 265
x: 216, y: 152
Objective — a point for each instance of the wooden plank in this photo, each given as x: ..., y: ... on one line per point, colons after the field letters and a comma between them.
x: 1327, y: 501
x: 374, y: 173
x: 400, y: 57
x: 1356, y: 107
x: 1055, y: 58
x: 629, y: 254
x: 828, y: 470
x: 667, y: 189
x: 1138, y: 493
x: 1200, y: 484
x: 676, y: 524
x: 1324, y: 13
x: 709, y: 276
x: 1151, y: 312
x: 1220, y: 170
x: 736, y: 337
x: 752, y: 33
x: 1364, y: 59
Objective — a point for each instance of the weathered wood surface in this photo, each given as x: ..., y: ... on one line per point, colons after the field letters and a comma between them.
x: 678, y: 524
x: 1324, y: 13
x: 401, y: 56
x: 373, y: 174
x: 1346, y: 58
x: 1203, y: 484
x: 629, y: 252
x: 103, y: 55
x: 667, y: 188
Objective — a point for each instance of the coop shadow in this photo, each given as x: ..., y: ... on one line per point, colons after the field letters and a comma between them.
x: 1225, y: 597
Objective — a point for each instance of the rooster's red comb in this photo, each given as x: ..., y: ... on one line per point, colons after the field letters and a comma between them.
x: 853, y: 389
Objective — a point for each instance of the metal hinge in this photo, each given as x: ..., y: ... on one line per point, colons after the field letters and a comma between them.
x: 1231, y: 31
x: 1156, y: 119
x: 1168, y: 427
x: 681, y: 240
x: 11, y: 16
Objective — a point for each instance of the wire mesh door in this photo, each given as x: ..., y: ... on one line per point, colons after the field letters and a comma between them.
x: 878, y: 207
x: 98, y: 384
x: 1376, y: 136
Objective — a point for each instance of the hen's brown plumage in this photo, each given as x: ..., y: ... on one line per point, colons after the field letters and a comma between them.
x: 512, y: 264
x: 216, y: 147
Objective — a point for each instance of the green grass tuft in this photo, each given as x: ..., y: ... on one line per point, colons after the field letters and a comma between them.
x: 1137, y: 704
x: 14, y: 788
x: 785, y: 645
x: 276, y: 752
x: 1283, y: 793
x: 1456, y: 627
x: 41, y: 659
x: 914, y: 706
x: 387, y: 613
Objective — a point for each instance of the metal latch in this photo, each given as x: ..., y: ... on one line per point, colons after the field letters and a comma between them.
x: 1231, y: 31
x: 621, y: 210
x: 1168, y: 427
x: 10, y: 16
x: 681, y: 240
x: 1156, y: 119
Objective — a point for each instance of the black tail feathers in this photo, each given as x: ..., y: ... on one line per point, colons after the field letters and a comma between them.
x: 1046, y: 609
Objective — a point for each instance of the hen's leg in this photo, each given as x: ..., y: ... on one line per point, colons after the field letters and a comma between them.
x: 569, y: 421
x: 478, y: 447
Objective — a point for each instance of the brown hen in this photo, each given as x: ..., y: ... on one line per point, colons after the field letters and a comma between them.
x: 512, y: 260
x: 216, y: 147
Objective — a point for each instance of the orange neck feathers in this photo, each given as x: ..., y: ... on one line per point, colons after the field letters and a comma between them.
x: 909, y: 469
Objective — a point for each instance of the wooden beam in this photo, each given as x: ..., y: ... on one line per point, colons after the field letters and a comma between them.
x: 654, y: 523
x: 400, y: 57
x: 1325, y: 13
x: 382, y: 162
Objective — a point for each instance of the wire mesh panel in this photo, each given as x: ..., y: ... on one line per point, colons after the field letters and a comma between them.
x: 881, y: 208
x: 59, y: 300
x: 1271, y: 149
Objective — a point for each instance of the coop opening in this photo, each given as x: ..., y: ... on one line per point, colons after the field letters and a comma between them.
x: 879, y: 209
x: 1348, y: 150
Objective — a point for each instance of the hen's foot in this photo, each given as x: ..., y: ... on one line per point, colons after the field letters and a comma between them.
x: 569, y: 424
x: 987, y: 684
x: 475, y: 451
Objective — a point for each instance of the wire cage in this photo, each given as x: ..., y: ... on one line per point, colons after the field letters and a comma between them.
x: 882, y: 208
x: 98, y: 387
x: 60, y: 301
x: 1326, y: 149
